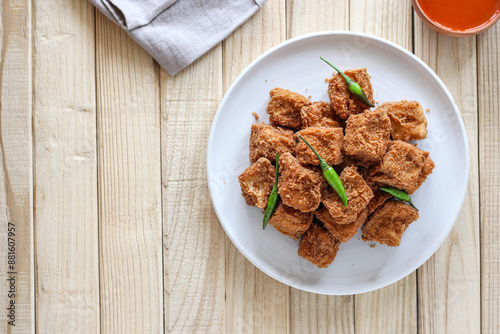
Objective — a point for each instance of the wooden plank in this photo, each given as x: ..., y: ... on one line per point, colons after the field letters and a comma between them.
x: 305, y: 17
x: 255, y: 303
x: 309, y: 312
x: 392, y: 309
x: 389, y: 19
x: 129, y: 187
x: 313, y: 313
x: 16, y: 178
x: 489, y: 156
x: 449, y: 283
x: 193, y: 240
x: 65, y: 195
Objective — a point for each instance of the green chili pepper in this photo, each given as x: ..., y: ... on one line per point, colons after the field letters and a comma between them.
x: 399, y: 194
x: 273, y: 197
x: 330, y: 175
x: 353, y: 86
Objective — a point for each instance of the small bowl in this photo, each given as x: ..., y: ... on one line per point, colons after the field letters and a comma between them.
x: 450, y: 32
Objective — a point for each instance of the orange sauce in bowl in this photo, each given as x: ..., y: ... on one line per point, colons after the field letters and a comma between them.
x: 460, y: 15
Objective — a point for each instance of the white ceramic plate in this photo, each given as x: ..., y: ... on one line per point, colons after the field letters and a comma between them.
x: 396, y: 74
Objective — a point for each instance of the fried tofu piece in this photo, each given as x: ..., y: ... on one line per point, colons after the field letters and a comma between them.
x: 387, y: 224
x: 320, y: 114
x: 318, y: 246
x: 403, y: 166
x: 379, y: 198
x: 344, y: 232
x: 256, y: 183
x: 343, y: 101
x: 326, y: 141
x: 290, y: 221
x: 266, y: 140
x: 364, y: 171
x: 426, y: 171
x: 367, y: 136
x: 284, y: 108
x: 407, y: 120
x: 298, y: 186
x: 350, y: 162
x: 358, y: 193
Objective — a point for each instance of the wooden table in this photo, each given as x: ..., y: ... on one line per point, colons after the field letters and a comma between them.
x: 103, y: 180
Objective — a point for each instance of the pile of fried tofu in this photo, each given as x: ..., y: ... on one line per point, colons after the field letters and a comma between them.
x: 369, y: 148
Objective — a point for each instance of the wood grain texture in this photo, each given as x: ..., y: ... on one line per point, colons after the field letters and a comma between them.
x: 193, y: 240
x: 16, y: 173
x: 449, y: 282
x: 255, y: 303
x: 389, y: 19
x: 65, y: 195
x: 129, y: 176
x: 311, y: 312
x: 103, y: 174
x: 489, y: 160
x: 393, y: 308
x: 305, y: 17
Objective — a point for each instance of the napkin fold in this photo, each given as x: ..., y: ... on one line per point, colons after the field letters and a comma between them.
x: 177, y: 32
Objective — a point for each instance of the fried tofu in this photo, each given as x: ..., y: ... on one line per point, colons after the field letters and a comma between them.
x: 266, y: 140
x: 426, y: 171
x: 319, y: 114
x: 350, y: 162
x: 298, y: 186
x: 403, y: 166
x: 290, y: 221
x: 364, y: 171
x: 256, y: 183
x: 341, y: 232
x: 358, y: 193
x: 326, y: 141
x: 367, y: 136
x: 388, y: 223
x: 407, y: 120
x: 379, y: 198
x: 318, y: 246
x: 343, y: 101
x: 284, y: 108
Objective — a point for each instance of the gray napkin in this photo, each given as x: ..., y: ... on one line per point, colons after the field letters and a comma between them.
x: 177, y: 32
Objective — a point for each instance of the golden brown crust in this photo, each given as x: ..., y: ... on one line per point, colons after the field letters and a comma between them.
x: 318, y: 246
x: 402, y: 167
x: 256, y: 183
x: 426, y: 170
x: 266, y: 140
x: 284, y: 108
x: 350, y: 162
x: 365, y: 173
x: 341, y: 232
x: 342, y: 100
x: 387, y: 224
x: 407, y: 120
x: 379, y: 198
x: 358, y: 196
x: 320, y: 114
x: 290, y: 221
x: 299, y: 186
x: 326, y: 141
x: 367, y: 136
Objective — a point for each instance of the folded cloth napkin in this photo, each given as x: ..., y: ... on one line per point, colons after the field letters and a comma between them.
x: 177, y: 32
